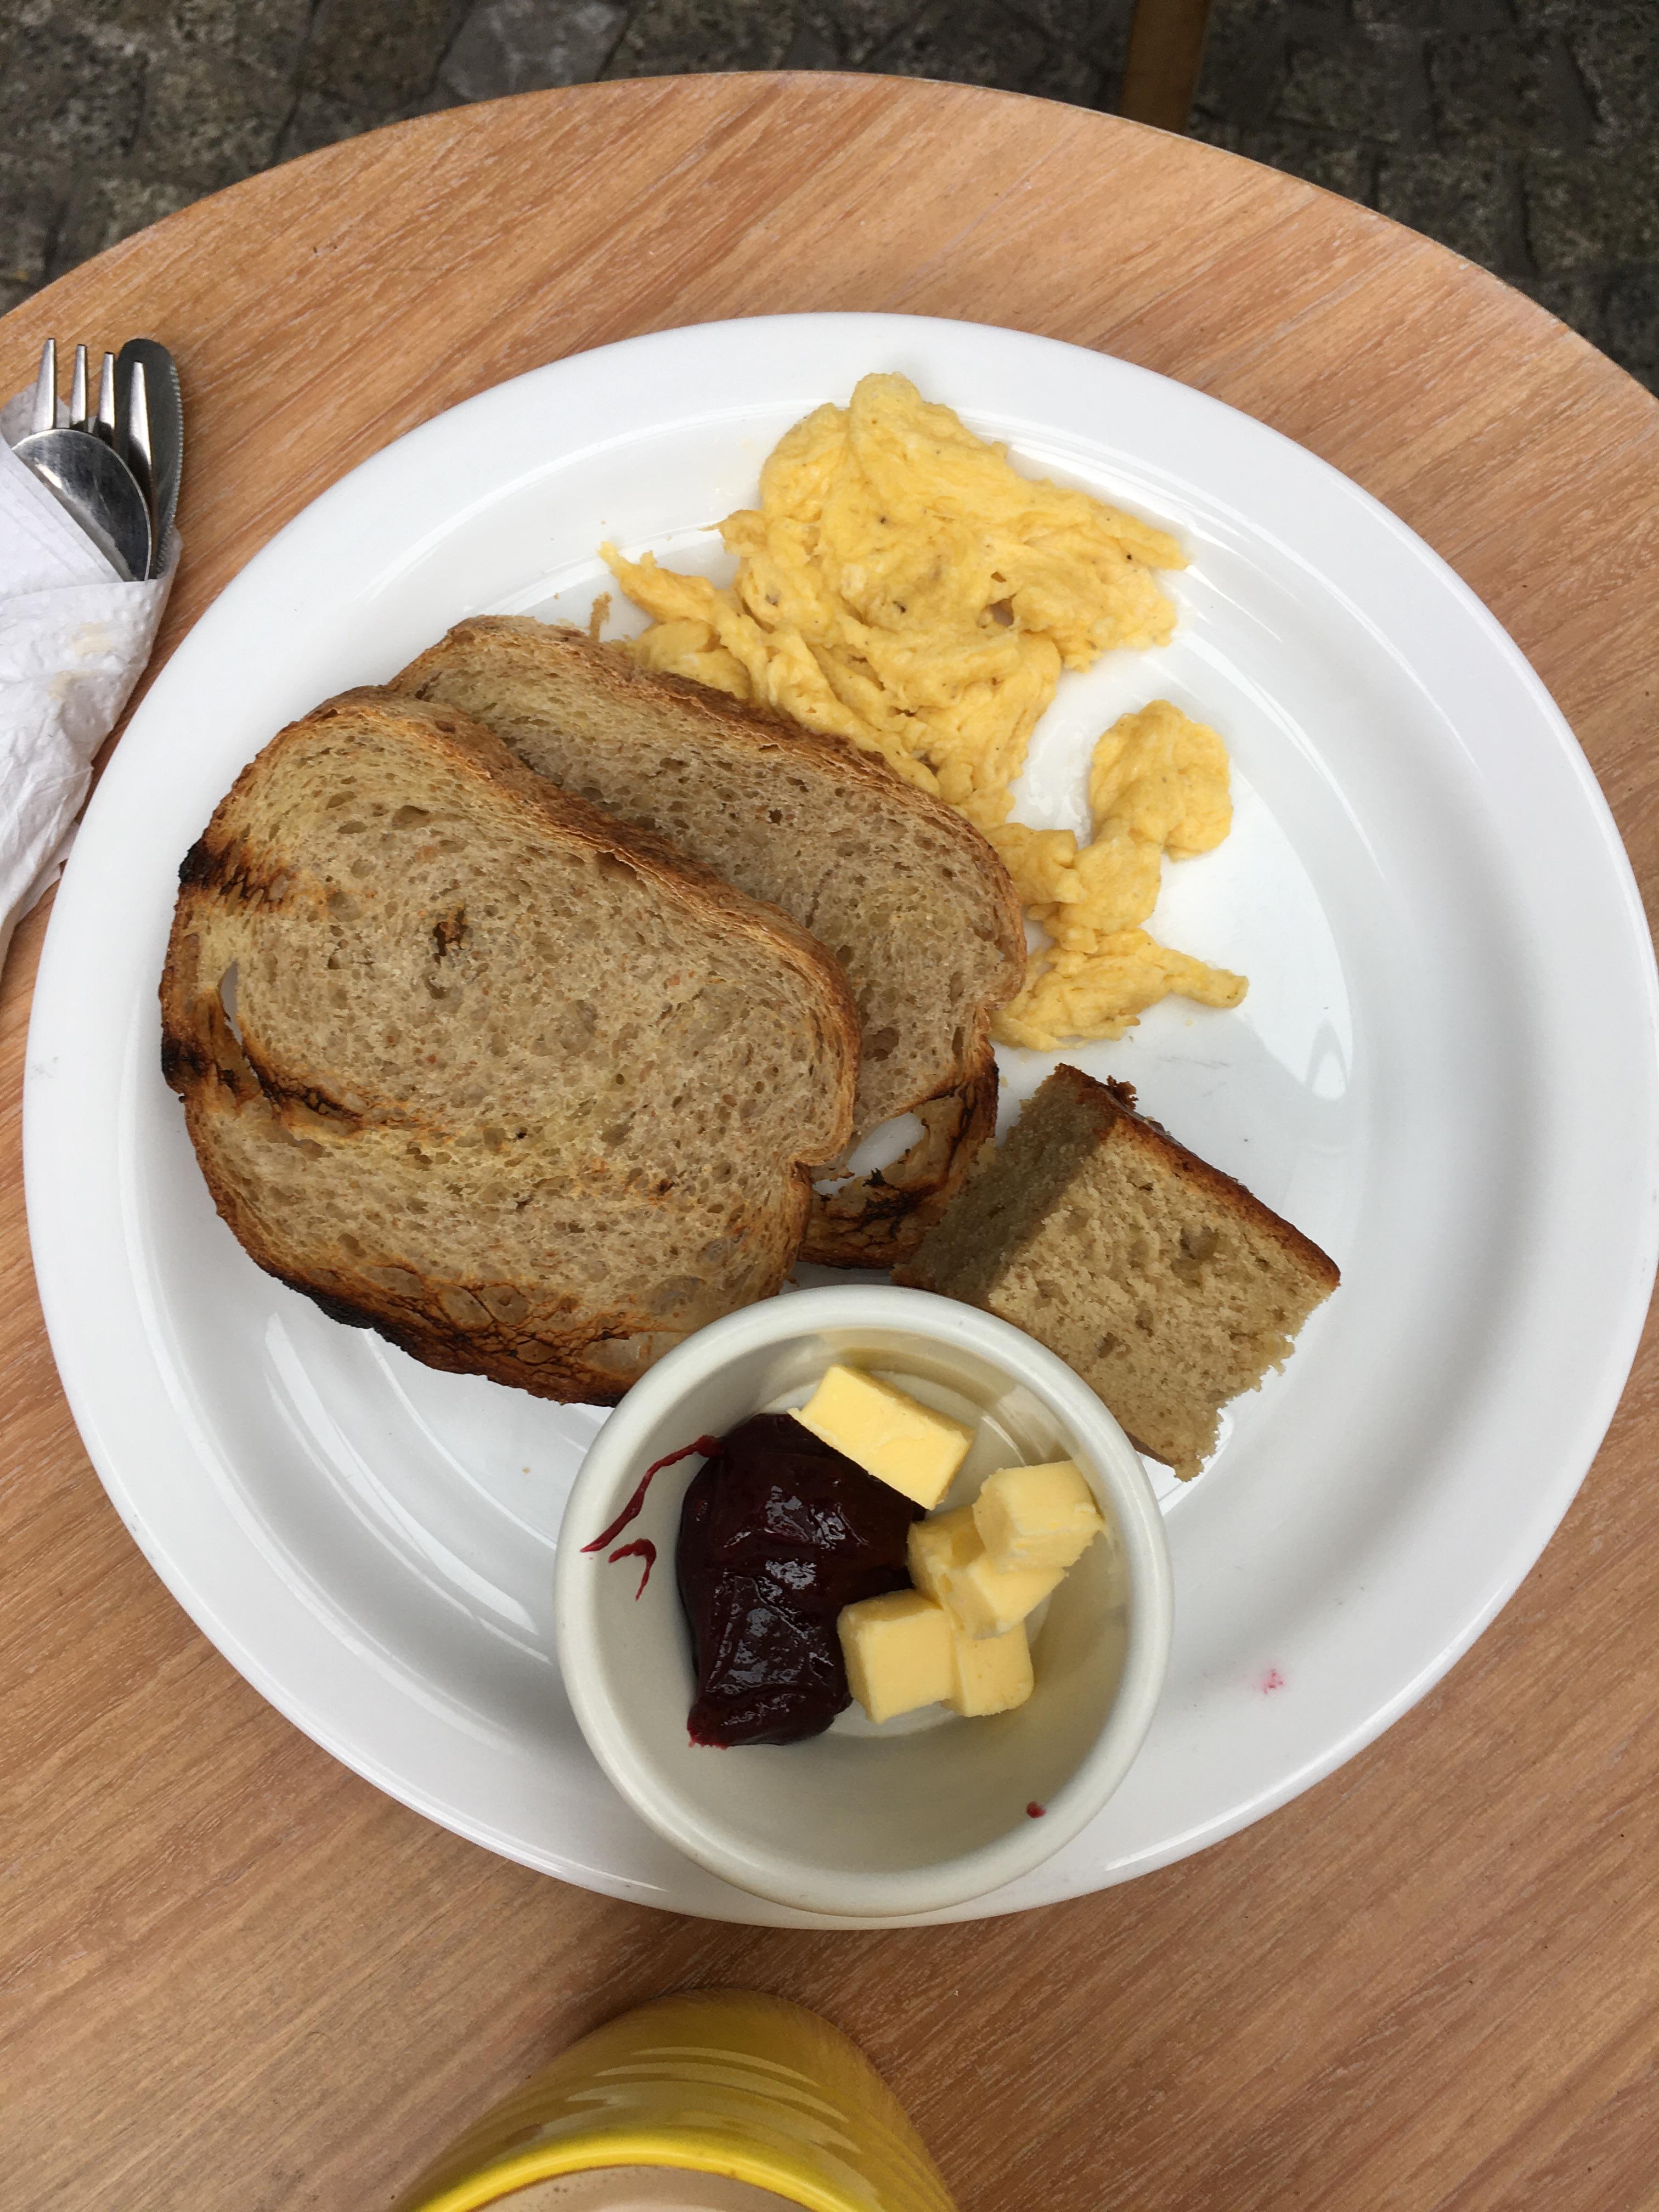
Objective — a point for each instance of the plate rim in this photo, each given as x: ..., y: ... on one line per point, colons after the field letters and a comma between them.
x: 54, y: 1277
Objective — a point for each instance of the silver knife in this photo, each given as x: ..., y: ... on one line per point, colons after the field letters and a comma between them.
x: 148, y: 400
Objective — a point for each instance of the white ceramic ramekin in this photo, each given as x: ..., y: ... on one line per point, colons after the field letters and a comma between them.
x: 932, y: 1809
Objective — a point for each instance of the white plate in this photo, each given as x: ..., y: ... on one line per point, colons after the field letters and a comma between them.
x: 1444, y: 1071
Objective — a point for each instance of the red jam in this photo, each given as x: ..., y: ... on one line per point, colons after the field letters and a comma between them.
x: 635, y: 1504
x: 641, y: 1548
x: 779, y: 1532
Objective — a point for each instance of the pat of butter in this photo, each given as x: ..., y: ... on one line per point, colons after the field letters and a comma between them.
x: 934, y: 1547
x: 897, y: 1650
x: 947, y: 1559
x: 1037, y: 1517
x: 989, y: 1673
x: 887, y: 1433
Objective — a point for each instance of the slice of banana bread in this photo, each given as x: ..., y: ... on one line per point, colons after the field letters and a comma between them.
x: 1161, y: 1281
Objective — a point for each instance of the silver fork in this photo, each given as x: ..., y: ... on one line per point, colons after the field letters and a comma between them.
x: 81, y: 466
x: 130, y: 439
x: 102, y: 424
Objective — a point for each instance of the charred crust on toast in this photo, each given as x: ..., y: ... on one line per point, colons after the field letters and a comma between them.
x: 457, y: 1351
x: 209, y: 1051
x: 196, y: 869
x: 284, y: 1098
x: 558, y: 1372
x: 229, y: 872
x: 880, y: 1219
x: 182, y: 1065
x: 341, y: 1309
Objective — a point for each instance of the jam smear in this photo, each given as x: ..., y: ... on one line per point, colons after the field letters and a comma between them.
x: 641, y: 1548
x: 631, y: 1511
x: 779, y: 1532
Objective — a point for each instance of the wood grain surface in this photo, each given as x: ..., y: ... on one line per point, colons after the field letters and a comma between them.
x: 233, y: 1973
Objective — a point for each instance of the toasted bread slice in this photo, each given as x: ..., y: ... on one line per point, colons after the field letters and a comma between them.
x: 1164, y: 1283
x: 906, y: 895
x: 521, y: 1088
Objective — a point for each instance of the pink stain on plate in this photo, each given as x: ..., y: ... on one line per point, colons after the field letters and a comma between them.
x: 1271, y: 1681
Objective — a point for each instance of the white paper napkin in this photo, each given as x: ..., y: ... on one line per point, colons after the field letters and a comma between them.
x: 74, y: 639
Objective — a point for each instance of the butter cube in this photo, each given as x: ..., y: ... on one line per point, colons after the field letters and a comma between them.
x: 887, y: 1433
x: 985, y: 1599
x: 989, y: 1673
x: 1037, y: 1517
x: 934, y: 1547
x: 947, y: 1559
x: 897, y: 1650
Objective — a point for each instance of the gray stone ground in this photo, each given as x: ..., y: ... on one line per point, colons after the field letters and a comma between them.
x: 1522, y: 133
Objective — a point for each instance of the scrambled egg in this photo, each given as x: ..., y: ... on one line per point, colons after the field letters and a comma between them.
x: 902, y: 587
x: 1158, y: 784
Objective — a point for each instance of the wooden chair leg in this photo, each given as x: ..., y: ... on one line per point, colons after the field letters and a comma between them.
x: 1160, y: 71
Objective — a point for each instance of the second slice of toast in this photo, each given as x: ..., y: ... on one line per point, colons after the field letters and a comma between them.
x: 908, y: 896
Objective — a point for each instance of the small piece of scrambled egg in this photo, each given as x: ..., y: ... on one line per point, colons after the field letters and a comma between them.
x: 902, y: 587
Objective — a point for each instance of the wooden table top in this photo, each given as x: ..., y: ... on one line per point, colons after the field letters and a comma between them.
x: 236, y: 1974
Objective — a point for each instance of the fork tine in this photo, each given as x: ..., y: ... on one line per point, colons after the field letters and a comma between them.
x: 45, y: 389
x: 106, y: 425
x: 78, y: 390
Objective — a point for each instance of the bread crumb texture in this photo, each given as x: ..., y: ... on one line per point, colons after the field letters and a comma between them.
x: 469, y: 1063
x: 902, y: 585
x: 1164, y: 1284
x: 909, y: 898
